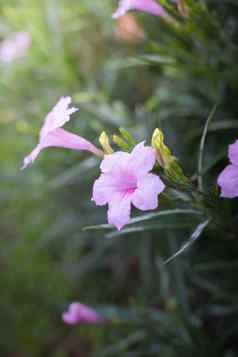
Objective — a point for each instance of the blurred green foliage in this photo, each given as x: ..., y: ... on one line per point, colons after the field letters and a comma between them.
x: 171, y: 79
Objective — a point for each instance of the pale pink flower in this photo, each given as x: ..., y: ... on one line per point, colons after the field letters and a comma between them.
x: 150, y: 6
x: 15, y: 47
x: 126, y: 180
x: 51, y: 134
x: 228, y: 178
x: 78, y: 313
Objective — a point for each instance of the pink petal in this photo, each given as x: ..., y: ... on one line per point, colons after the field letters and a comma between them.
x: 80, y: 313
x: 113, y: 161
x: 233, y: 153
x: 119, y: 210
x: 15, y: 47
x: 103, y: 189
x: 61, y: 138
x: 31, y: 157
x: 150, y: 6
x: 228, y: 181
x: 145, y: 196
x: 142, y: 159
x: 58, y: 116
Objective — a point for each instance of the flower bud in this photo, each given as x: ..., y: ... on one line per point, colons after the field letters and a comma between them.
x: 105, y: 143
x: 166, y: 160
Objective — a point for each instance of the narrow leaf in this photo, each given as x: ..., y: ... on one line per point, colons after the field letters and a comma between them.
x: 148, y: 216
x: 196, y: 234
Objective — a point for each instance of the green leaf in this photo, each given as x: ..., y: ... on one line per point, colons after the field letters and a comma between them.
x: 202, y: 145
x: 147, y: 227
x: 196, y: 234
x: 148, y: 216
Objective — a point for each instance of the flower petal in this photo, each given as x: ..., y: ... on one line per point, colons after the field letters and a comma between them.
x: 119, y: 210
x: 145, y: 196
x: 61, y: 138
x: 31, y: 157
x: 58, y: 116
x: 142, y: 159
x: 233, y: 153
x: 103, y: 189
x: 150, y: 6
x: 113, y: 161
x: 15, y: 47
x: 80, y: 313
x: 228, y: 181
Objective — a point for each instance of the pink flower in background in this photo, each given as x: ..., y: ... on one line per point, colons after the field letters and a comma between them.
x: 126, y: 180
x: 79, y: 313
x: 51, y: 134
x: 150, y: 6
x: 228, y: 178
x: 15, y: 47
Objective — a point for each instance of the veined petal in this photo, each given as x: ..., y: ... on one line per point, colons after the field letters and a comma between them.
x: 58, y: 116
x: 145, y: 196
x: 228, y: 181
x: 112, y: 161
x: 61, y: 138
x: 142, y: 159
x: 233, y: 153
x: 119, y: 210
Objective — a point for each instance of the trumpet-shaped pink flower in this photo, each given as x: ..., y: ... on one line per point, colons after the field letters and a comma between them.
x: 228, y: 178
x: 51, y: 134
x: 126, y: 180
x: 15, y: 47
x: 79, y: 313
x: 150, y: 6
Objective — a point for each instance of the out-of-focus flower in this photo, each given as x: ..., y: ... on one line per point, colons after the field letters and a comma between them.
x: 150, y: 6
x: 228, y: 178
x: 51, y: 134
x: 78, y: 313
x: 15, y: 47
x: 126, y: 180
x: 128, y: 29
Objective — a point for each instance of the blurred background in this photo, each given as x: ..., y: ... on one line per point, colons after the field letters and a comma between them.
x: 138, y: 72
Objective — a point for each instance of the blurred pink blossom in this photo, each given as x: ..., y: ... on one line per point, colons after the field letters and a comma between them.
x: 15, y: 47
x: 150, y: 6
x: 228, y: 178
x: 126, y: 180
x: 128, y: 29
x: 51, y: 133
x: 78, y: 313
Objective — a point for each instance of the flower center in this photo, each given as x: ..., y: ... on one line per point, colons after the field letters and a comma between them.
x: 128, y: 183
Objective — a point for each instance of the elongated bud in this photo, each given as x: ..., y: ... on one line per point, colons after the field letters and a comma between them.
x: 128, y: 137
x: 105, y: 143
x: 166, y: 160
x: 121, y: 142
x: 164, y: 155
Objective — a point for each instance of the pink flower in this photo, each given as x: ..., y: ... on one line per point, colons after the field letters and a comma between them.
x: 14, y: 47
x: 51, y: 133
x: 79, y: 313
x: 150, y: 6
x: 126, y: 180
x: 228, y: 178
